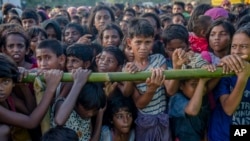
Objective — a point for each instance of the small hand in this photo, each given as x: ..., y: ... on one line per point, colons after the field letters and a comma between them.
x: 53, y: 77
x: 156, y: 80
x: 131, y: 68
x: 80, y: 75
x: 23, y: 73
x: 85, y: 39
x: 179, y: 58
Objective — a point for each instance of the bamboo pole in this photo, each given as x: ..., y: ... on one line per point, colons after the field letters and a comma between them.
x: 140, y: 76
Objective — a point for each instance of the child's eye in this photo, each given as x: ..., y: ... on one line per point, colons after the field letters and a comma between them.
x: 6, y: 81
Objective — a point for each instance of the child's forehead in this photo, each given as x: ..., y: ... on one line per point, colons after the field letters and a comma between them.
x: 142, y: 37
x: 45, y: 51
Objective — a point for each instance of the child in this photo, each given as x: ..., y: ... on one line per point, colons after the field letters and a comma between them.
x: 150, y: 97
x: 100, y: 16
x: 8, y: 77
x: 60, y: 134
x: 52, y: 29
x: 36, y: 35
x: 83, y: 102
x: 16, y: 45
x: 79, y: 56
x: 178, y: 18
x: 72, y: 33
x: 111, y: 35
x: 29, y: 18
x: 232, y: 93
x: 120, y: 114
x: 197, y: 38
x: 49, y: 55
x: 189, y: 110
x: 219, y: 37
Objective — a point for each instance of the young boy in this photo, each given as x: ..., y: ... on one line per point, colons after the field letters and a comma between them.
x: 60, y: 134
x: 49, y: 55
x: 150, y: 97
x: 29, y: 18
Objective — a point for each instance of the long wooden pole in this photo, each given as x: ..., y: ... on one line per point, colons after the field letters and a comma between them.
x: 140, y: 76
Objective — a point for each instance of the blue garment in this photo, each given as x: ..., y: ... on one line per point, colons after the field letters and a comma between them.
x: 185, y: 127
x: 219, y: 127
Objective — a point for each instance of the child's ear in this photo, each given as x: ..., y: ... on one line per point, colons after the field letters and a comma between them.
x: 128, y: 40
x: 86, y: 64
x: 203, y: 33
x: 62, y: 60
x: 181, y: 86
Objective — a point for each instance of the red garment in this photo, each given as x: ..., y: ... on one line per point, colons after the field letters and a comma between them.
x: 11, y: 103
x: 198, y: 44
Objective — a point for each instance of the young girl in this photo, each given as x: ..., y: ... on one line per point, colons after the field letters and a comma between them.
x: 16, y: 45
x: 111, y: 35
x: 52, y: 29
x: 219, y: 37
x: 84, y: 101
x: 120, y: 113
x: 36, y: 35
x: 232, y: 93
x: 9, y: 117
x: 100, y: 16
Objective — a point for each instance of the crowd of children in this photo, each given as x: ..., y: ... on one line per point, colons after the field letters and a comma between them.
x: 118, y: 38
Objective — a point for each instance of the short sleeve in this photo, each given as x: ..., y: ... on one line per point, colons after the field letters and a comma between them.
x: 223, y: 87
x: 177, y: 105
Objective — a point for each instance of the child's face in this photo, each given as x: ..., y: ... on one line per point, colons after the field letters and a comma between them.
x: 188, y: 87
x: 6, y: 85
x: 84, y: 113
x: 71, y: 35
x: 73, y: 63
x: 178, y: 20
x: 141, y: 46
x: 47, y: 60
x: 129, y: 54
x: 28, y: 23
x: 102, y: 18
x: 36, y: 40
x: 177, y: 9
x: 51, y: 33
x: 16, y: 48
x: 84, y: 21
x: 122, y: 121
x: 173, y: 45
x: 111, y: 38
x: 219, y: 39
x: 107, y: 63
x: 241, y: 45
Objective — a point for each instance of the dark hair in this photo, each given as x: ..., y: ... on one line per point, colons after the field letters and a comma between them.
x: 8, y: 68
x: 244, y: 29
x: 155, y: 17
x: 180, y: 3
x: 77, y: 26
x: 22, y: 34
x: 140, y: 27
x: 243, y: 13
x: 93, y: 12
x: 35, y: 30
x: 110, y: 27
x: 165, y: 18
x: 175, y: 31
x: 229, y: 28
x: 54, y: 45
x: 118, y: 54
x: 61, y: 20
x: 42, y: 15
x: 92, y: 96
x: 76, y: 17
x: 13, y: 10
x: 15, y: 18
x: 117, y: 102
x: 131, y: 10
x: 180, y: 14
x: 60, y: 133
x: 242, y: 21
x: 30, y: 14
x: 202, y: 23
x: 199, y: 10
x: 6, y: 7
x: 52, y: 23
x: 68, y: 16
x: 81, y: 51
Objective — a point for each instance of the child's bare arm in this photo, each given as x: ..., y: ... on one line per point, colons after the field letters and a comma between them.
x: 194, y: 105
x: 231, y: 101
x: 63, y: 112
x: 179, y: 58
x: 156, y: 80
x: 31, y: 121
